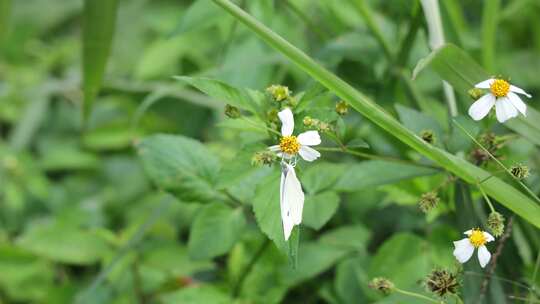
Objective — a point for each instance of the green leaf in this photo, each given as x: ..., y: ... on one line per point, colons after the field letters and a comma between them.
x: 418, y: 122
x: 64, y: 244
x: 99, y: 20
x: 181, y: 165
x: 241, y: 98
x: 215, y: 230
x: 267, y: 212
x: 490, y: 18
x: 504, y: 193
x: 462, y: 72
x: 25, y: 277
x: 353, y: 237
x: 378, y: 172
x: 321, y: 176
x: 402, y: 259
x: 196, y: 295
x: 319, y: 208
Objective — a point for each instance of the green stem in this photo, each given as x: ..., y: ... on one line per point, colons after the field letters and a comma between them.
x: 488, y: 201
x: 253, y: 123
x: 504, y: 193
x: 417, y: 295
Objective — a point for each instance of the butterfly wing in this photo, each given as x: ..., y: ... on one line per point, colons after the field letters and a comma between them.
x: 292, y: 200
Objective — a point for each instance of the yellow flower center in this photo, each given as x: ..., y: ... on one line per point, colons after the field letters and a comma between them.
x: 477, y: 238
x: 289, y: 144
x: 500, y: 88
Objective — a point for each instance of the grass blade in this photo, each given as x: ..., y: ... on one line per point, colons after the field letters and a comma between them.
x: 99, y: 19
x: 507, y: 195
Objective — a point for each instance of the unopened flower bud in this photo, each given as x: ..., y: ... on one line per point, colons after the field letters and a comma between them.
x: 428, y: 136
x: 232, y: 111
x: 263, y: 158
x: 382, y: 284
x: 278, y: 92
x: 520, y: 171
x: 308, y: 121
x: 272, y: 115
x: 428, y: 201
x: 442, y: 282
x: 342, y: 108
x: 495, y: 223
x: 323, y: 126
x: 476, y: 93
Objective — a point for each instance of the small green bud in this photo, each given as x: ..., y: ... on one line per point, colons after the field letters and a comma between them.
x: 342, y: 108
x: 263, y: 158
x: 272, y: 115
x: 495, y: 223
x: 476, y: 93
x: 278, y: 92
x: 232, y: 111
x: 428, y: 201
x: 382, y: 284
x: 442, y: 282
x: 308, y: 121
x: 428, y: 136
x: 323, y: 126
x: 520, y: 171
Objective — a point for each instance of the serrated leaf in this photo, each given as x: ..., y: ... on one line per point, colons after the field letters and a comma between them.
x: 353, y: 237
x: 181, y: 165
x: 215, y: 230
x: 99, y: 20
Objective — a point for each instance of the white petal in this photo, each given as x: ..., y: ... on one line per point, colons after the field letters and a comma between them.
x: 308, y: 153
x: 484, y: 84
x: 463, y: 251
x: 292, y: 200
x: 468, y: 232
x: 480, y: 108
x: 504, y: 109
x: 274, y: 148
x: 518, y: 103
x: 309, y: 138
x: 519, y: 91
x: 483, y: 256
x: 287, y: 122
x: 489, y: 237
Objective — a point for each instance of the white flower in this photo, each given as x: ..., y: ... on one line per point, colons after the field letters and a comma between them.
x: 476, y: 239
x: 503, y: 95
x: 291, y: 199
x: 290, y: 145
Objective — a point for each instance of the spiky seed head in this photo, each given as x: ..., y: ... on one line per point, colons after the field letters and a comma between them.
x: 428, y: 201
x: 382, y: 284
x: 495, y: 223
x: 442, y: 282
x: 342, y: 108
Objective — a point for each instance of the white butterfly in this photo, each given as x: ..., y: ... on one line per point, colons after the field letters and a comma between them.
x: 291, y: 199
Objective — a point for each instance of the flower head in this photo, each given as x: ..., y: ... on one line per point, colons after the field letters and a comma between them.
x: 442, y: 282
x: 520, y: 171
x: 382, y: 284
x: 428, y: 201
x: 476, y: 238
x: 495, y: 223
x: 279, y: 92
x: 503, y: 96
x: 342, y: 108
x: 290, y: 145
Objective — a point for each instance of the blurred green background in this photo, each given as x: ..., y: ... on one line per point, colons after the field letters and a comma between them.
x: 81, y: 221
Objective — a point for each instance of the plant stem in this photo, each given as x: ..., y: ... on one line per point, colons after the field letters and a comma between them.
x: 416, y: 295
x: 488, y: 201
x: 249, y: 267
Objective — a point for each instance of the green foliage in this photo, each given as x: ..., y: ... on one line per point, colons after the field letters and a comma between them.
x: 165, y: 191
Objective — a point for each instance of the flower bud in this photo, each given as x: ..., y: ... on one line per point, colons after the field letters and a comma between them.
x: 323, y: 126
x: 308, y: 121
x: 520, y: 171
x: 263, y: 158
x: 476, y: 93
x: 479, y: 156
x: 342, y: 108
x: 232, y: 111
x: 442, y: 282
x: 272, y: 115
x: 382, y: 284
x: 278, y: 92
x: 428, y: 136
x: 428, y: 201
x: 495, y: 223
